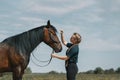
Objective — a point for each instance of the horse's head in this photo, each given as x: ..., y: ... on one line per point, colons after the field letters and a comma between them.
x: 51, y: 38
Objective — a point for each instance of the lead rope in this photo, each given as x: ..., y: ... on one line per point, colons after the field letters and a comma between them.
x: 42, y: 61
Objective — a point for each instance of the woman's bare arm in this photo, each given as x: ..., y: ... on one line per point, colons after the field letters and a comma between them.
x: 62, y: 38
x: 60, y: 57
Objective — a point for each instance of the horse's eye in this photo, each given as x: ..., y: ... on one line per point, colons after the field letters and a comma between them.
x: 52, y: 32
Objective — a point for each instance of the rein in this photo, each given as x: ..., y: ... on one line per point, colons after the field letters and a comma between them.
x: 42, y: 61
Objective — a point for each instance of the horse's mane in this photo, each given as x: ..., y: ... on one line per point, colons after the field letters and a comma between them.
x: 27, y: 41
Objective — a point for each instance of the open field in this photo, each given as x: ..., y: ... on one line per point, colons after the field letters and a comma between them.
x: 62, y: 77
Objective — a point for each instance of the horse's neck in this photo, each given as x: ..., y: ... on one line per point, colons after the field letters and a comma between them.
x: 35, y: 41
x: 33, y: 44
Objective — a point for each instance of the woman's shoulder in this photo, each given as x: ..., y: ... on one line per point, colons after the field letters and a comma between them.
x: 72, y: 46
x: 69, y: 45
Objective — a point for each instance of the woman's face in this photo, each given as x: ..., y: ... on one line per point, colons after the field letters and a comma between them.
x: 73, y: 39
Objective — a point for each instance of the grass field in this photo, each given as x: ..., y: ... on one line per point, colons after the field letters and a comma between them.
x: 63, y: 77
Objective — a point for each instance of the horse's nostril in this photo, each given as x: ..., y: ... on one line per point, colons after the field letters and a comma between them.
x: 59, y: 48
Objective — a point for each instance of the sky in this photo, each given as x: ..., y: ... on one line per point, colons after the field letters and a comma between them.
x: 97, y: 21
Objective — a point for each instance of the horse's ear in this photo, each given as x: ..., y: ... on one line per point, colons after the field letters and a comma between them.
x: 48, y: 23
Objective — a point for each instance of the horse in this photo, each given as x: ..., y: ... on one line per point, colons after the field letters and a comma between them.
x: 15, y: 51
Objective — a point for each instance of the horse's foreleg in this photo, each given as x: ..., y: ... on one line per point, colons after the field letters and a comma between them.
x: 18, y: 73
x: 16, y: 77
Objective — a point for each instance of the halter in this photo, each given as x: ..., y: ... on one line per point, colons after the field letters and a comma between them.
x: 50, y: 35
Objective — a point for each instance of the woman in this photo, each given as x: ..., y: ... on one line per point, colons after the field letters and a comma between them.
x: 71, y: 57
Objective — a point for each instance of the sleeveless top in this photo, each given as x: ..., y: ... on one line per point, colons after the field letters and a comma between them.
x: 72, y: 52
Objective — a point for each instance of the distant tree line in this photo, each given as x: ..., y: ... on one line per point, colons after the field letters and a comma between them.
x: 99, y: 70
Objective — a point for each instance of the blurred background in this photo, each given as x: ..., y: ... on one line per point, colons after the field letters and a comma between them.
x: 96, y: 20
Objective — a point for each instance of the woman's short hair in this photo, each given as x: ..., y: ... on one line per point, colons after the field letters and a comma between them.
x: 78, y: 37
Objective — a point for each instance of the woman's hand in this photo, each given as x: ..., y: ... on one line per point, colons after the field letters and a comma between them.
x: 61, y: 31
x: 62, y: 37
x: 54, y: 55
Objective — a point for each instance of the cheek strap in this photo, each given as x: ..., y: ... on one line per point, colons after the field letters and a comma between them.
x: 46, y: 35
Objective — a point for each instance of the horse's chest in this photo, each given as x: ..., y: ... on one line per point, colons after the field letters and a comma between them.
x: 4, y: 62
